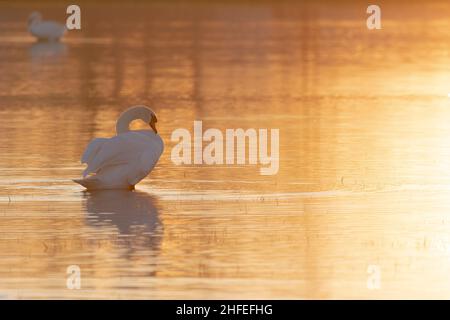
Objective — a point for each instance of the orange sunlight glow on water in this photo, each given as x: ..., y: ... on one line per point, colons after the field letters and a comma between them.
x: 364, y: 173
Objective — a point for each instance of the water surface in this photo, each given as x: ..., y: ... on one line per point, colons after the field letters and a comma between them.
x: 364, y: 174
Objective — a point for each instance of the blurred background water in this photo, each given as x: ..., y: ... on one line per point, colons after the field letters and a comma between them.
x: 364, y: 174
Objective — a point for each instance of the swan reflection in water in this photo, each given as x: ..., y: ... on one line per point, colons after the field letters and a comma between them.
x: 43, y: 51
x: 132, y: 213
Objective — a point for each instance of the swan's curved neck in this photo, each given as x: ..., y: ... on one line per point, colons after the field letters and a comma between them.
x: 134, y: 113
x: 123, y: 123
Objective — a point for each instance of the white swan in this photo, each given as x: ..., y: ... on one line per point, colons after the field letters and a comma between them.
x: 122, y: 161
x: 45, y: 30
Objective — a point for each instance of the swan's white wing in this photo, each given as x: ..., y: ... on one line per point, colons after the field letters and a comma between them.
x: 116, y: 150
x: 92, y: 149
x: 127, y: 148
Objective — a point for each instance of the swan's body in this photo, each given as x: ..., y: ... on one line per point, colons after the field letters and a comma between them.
x: 45, y: 30
x: 122, y: 161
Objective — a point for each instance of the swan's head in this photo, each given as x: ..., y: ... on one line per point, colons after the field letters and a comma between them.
x: 153, y: 121
x: 141, y: 112
x: 34, y: 17
x: 148, y: 116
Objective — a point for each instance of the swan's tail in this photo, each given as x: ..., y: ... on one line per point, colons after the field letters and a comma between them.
x: 94, y: 183
x: 89, y: 183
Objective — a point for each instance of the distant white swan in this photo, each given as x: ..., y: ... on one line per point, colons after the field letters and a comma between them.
x: 45, y: 30
x: 122, y: 161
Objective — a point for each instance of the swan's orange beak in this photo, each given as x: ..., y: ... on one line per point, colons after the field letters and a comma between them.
x: 152, y: 123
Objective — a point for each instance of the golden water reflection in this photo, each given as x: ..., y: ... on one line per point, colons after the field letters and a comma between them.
x: 364, y: 173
